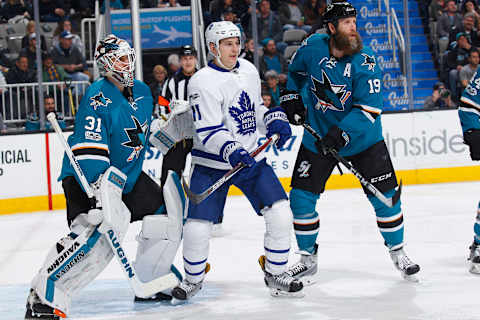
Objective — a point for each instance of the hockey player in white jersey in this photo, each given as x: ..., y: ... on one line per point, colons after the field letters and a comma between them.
x: 229, y: 118
x: 109, y: 142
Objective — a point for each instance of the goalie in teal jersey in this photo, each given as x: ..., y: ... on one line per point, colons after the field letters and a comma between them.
x: 469, y: 113
x: 335, y: 86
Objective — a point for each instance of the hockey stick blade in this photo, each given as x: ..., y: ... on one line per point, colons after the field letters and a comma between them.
x: 141, y: 289
x: 197, y: 198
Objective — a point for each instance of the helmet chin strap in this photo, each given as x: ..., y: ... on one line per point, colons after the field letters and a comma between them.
x: 219, y: 62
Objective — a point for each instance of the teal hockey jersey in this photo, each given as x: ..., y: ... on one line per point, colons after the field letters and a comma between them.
x: 469, y: 110
x: 346, y: 92
x: 111, y: 130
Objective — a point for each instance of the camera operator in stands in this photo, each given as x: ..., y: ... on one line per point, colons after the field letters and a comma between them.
x: 440, y: 98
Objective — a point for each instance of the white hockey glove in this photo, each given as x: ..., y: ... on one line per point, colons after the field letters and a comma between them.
x: 178, y: 126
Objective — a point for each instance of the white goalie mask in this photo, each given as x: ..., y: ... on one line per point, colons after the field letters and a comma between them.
x: 217, y: 31
x: 115, y: 58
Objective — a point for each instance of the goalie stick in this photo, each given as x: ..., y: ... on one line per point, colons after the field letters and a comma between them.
x: 196, y: 198
x: 389, y: 202
x: 141, y: 289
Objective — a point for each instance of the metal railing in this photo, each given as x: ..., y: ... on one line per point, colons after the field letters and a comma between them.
x: 88, y: 35
x: 19, y: 100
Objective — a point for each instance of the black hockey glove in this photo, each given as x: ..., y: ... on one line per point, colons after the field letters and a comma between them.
x: 291, y: 101
x: 335, y: 139
x: 472, y: 139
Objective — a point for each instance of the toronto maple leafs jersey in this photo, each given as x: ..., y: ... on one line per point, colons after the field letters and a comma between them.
x: 345, y: 92
x: 227, y: 110
x: 111, y: 130
x: 469, y: 110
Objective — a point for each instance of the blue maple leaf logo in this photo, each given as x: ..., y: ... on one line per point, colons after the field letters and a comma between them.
x: 244, y: 114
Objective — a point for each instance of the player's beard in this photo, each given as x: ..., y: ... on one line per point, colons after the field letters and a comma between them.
x: 342, y: 42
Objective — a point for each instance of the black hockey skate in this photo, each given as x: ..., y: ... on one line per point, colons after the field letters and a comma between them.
x: 403, y: 263
x: 160, y: 296
x: 306, y: 267
x: 474, y: 258
x: 37, y: 310
x: 281, y: 284
x: 186, y: 289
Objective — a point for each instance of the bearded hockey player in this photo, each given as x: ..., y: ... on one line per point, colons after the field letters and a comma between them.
x: 340, y: 84
x: 109, y: 142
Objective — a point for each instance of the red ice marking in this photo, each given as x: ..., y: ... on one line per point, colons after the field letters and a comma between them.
x: 49, y: 182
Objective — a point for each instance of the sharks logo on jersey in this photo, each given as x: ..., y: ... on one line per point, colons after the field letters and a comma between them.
x: 244, y: 114
x: 99, y: 100
x: 369, y: 62
x: 327, y: 93
x: 136, y: 138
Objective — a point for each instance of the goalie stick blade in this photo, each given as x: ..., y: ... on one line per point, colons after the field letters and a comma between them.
x: 148, y: 289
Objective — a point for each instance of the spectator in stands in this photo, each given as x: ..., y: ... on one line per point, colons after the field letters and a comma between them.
x: 33, y: 120
x: 15, y: 8
x: 66, y: 25
x: 267, y: 99
x: 451, y: 18
x: 271, y: 59
x: 268, y: 24
x: 168, y: 4
x: 440, y: 98
x: 242, y: 9
x: 271, y: 76
x: 456, y: 59
x: 291, y: 16
x: 53, y: 73
x: 70, y: 58
x: 29, y: 30
x: 468, y: 70
x: 470, y: 6
x: 20, y: 72
x: 159, y: 79
x: 436, y: 9
x: 248, y: 50
x: 468, y: 27
x: 5, y: 63
x: 319, y: 9
x: 217, y: 7
x: 282, y: 81
x: 52, y: 10
x: 173, y: 61
x: 31, y: 52
x: 310, y: 11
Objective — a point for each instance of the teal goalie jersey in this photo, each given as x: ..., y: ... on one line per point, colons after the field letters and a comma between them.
x: 345, y: 92
x: 111, y: 130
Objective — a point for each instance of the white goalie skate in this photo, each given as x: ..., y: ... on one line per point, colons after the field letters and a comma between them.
x: 37, y: 310
x: 306, y: 267
x: 281, y: 284
x: 474, y: 258
x: 407, y: 268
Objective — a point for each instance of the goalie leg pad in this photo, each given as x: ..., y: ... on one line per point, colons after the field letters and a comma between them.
x: 306, y: 221
x: 195, y: 248
x: 174, y: 202
x: 157, y: 246
x: 278, y: 222
x: 71, y: 264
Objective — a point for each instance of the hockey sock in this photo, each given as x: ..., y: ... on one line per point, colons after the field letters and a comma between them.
x: 389, y: 221
x: 476, y: 226
x: 196, y: 235
x: 306, y: 221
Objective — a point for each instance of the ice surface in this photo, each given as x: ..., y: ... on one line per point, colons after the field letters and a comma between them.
x: 356, y: 279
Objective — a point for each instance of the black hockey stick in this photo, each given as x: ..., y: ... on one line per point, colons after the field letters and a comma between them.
x: 389, y: 202
x: 141, y: 289
x: 196, y: 198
